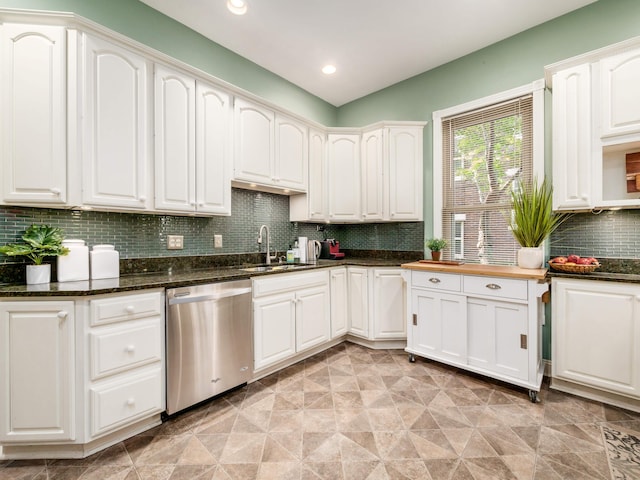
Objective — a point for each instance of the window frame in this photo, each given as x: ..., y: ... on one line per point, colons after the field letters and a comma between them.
x: 536, y: 89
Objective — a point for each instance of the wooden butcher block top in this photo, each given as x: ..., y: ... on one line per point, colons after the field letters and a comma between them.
x: 477, y: 269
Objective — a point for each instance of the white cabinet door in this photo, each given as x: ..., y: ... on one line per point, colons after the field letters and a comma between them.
x: 254, y: 148
x: 404, y: 173
x: 372, y: 175
x: 497, y: 337
x: 115, y: 126
x: 439, y: 326
x: 596, y: 334
x: 313, y: 320
x: 34, y: 114
x: 292, y: 154
x: 358, y: 300
x: 339, y: 302
x: 343, y: 165
x: 174, y: 140
x: 37, y: 368
x: 572, y: 160
x: 389, y: 300
x: 213, y: 150
x: 274, y: 323
x: 619, y: 95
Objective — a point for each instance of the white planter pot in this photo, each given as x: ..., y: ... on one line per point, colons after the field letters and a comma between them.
x: 530, y: 257
x: 37, y: 274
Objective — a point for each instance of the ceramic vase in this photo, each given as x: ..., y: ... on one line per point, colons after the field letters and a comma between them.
x: 38, y: 274
x: 530, y: 257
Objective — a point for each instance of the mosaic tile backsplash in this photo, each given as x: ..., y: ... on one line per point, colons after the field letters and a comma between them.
x: 609, y: 234
x: 143, y: 235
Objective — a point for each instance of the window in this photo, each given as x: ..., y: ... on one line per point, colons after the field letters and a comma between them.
x: 484, y: 150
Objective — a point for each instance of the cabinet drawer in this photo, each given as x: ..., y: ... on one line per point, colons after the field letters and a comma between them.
x: 436, y: 281
x: 286, y: 282
x: 126, y: 346
x: 114, y: 405
x: 495, y: 287
x: 125, y: 307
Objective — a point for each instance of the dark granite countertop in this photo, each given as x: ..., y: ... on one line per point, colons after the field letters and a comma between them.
x: 610, y: 270
x: 172, y: 278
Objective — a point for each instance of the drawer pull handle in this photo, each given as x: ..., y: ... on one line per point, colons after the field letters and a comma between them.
x: 434, y: 280
x: 130, y: 348
x: 131, y: 402
x: 493, y: 286
x: 130, y: 309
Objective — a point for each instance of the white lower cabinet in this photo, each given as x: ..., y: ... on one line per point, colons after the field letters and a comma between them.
x: 339, y: 302
x: 486, y: 324
x: 37, y: 371
x: 79, y: 374
x: 291, y: 313
x: 358, y: 281
x: 596, y: 339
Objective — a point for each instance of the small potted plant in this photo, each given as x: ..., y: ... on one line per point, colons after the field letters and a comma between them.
x: 436, y: 245
x: 40, y: 241
x: 533, y: 220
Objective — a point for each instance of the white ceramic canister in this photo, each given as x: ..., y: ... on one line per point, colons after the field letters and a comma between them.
x: 74, y: 266
x: 105, y: 262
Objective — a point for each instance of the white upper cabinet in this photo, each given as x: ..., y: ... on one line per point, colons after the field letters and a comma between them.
x: 34, y: 114
x: 254, y: 144
x: 271, y: 149
x: 572, y: 138
x: 175, y: 136
x: 372, y: 175
x: 620, y: 95
x: 596, y: 124
x: 292, y: 154
x: 404, y: 164
x: 115, y: 126
x: 213, y: 150
x: 343, y: 176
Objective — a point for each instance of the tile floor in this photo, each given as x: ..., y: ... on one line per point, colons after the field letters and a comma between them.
x: 354, y: 413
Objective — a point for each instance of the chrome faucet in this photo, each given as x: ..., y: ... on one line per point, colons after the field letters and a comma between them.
x: 268, y: 256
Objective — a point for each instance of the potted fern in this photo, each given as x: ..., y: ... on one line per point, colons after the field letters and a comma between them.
x: 40, y: 241
x: 533, y: 220
x: 436, y: 245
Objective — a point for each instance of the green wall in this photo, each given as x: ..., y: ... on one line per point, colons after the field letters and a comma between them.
x: 145, y: 25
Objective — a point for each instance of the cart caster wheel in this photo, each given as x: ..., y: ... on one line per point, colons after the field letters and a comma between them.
x: 412, y: 358
x: 533, y: 396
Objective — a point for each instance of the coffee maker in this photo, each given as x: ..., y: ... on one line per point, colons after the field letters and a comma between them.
x: 330, y: 249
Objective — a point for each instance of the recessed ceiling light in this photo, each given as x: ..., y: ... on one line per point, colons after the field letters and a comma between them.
x: 329, y: 69
x: 237, y: 7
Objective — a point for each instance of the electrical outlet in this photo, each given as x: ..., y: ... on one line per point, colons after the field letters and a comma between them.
x: 217, y: 241
x: 175, y: 242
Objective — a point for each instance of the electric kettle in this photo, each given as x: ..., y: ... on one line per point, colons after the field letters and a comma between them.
x: 313, y: 251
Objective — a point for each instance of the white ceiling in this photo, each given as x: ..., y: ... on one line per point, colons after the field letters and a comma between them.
x: 373, y: 43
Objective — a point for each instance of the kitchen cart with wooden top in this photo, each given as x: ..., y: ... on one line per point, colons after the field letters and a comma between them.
x: 485, y: 319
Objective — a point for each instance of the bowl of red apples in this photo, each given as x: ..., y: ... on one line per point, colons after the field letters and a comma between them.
x: 574, y: 264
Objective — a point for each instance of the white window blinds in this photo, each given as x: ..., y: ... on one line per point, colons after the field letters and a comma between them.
x: 486, y: 153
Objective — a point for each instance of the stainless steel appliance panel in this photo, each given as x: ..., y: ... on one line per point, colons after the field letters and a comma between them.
x: 209, y: 341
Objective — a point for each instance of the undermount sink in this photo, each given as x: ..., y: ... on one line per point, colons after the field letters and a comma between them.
x: 274, y: 268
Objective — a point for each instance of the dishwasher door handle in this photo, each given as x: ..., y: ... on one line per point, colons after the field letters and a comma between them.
x: 205, y: 298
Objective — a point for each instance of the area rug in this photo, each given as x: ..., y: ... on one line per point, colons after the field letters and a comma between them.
x: 623, y: 452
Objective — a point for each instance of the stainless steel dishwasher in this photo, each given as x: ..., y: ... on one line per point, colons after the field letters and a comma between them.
x: 209, y: 342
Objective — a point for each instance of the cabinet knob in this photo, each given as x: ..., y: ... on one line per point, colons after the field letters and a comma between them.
x: 493, y: 286
x: 584, y: 196
x: 131, y: 402
x: 130, y: 309
x: 56, y: 191
x: 142, y: 199
x: 434, y: 280
x: 130, y: 349
x: 63, y: 314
